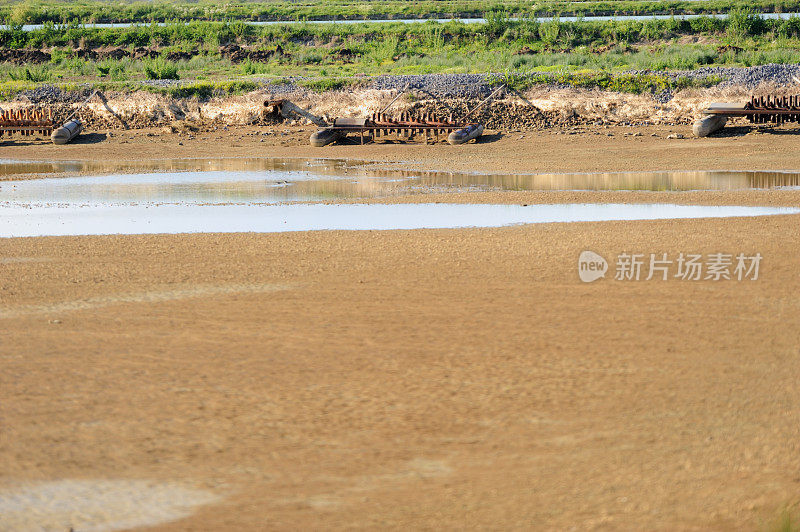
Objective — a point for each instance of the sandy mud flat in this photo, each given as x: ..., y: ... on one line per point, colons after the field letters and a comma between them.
x: 578, y: 149
x: 411, y: 378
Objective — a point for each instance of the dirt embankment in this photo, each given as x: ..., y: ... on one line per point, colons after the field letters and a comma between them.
x: 539, y: 108
x: 234, y: 52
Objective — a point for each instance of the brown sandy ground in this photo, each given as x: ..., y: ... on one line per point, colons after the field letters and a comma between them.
x: 417, y: 379
x: 411, y: 379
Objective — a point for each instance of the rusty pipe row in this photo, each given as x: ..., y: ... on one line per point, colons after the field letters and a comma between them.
x: 774, y: 109
x: 26, y: 121
x: 410, y: 124
x: 775, y: 102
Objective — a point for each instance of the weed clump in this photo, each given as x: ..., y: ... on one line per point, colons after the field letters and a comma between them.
x: 160, y: 69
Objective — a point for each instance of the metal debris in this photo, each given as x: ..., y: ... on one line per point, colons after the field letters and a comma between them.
x: 406, y: 126
x: 761, y: 109
x: 26, y: 121
x: 277, y: 110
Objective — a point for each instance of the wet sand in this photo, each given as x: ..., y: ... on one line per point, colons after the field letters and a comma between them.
x: 586, y: 149
x: 418, y: 379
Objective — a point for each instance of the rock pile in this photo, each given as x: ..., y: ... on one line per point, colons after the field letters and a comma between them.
x: 502, y: 115
x: 749, y: 77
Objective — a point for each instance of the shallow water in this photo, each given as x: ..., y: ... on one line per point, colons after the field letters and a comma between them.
x: 25, y: 220
x: 261, y: 195
x: 267, y: 180
x: 280, y: 180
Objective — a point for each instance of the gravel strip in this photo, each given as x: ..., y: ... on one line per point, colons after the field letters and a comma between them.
x: 749, y: 77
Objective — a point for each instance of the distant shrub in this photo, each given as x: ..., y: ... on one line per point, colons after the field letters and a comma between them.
x: 790, y: 27
x: 653, y: 29
x: 549, y: 31
x: 497, y: 23
x: 705, y: 24
x: 742, y: 23
x: 251, y: 67
x: 34, y: 74
x: 160, y: 69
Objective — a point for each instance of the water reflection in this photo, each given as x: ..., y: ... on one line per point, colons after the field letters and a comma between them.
x: 266, y: 180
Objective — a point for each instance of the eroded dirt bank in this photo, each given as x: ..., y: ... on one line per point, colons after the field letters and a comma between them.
x: 541, y: 107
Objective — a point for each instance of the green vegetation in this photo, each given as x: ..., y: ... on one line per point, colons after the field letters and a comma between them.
x: 160, y: 69
x: 326, y: 84
x: 635, y: 83
x: 205, y: 55
x: 36, y: 75
x: 93, y: 11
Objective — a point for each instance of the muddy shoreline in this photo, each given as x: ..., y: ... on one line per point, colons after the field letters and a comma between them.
x: 559, y: 150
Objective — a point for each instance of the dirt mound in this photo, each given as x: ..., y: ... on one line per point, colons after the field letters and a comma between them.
x: 179, y: 56
x: 496, y: 115
x: 23, y: 57
x: 113, y: 52
x: 237, y: 54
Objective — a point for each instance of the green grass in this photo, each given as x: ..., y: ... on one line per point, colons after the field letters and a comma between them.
x: 160, y: 69
x: 87, y: 11
x: 33, y: 74
x: 205, y: 89
x: 326, y: 84
x: 382, y: 42
x: 634, y: 83
x: 582, y: 53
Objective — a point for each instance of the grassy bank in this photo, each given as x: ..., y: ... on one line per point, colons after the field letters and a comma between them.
x: 396, y: 38
x: 38, y: 12
x: 582, y: 53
